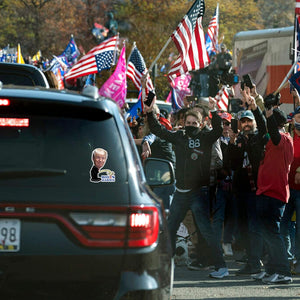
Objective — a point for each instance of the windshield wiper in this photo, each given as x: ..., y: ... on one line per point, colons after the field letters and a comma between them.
x: 29, y: 173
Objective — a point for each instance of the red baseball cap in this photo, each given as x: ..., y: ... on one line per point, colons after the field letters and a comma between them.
x: 225, y: 115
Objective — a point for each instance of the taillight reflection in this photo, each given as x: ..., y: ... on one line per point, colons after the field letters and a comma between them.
x: 14, y: 122
x: 139, y: 220
x: 131, y: 227
x: 4, y: 102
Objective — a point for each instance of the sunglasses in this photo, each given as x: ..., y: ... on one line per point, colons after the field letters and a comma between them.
x: 226, y: 124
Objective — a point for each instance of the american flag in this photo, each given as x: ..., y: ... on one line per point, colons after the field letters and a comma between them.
x: 196, y: 58
x: 297, y: 7
x: 190, y: 42
x: 136, y: 68
x: 97, y: 59
x: 213, y: 30
x: 297, y: 35
x: 222, y: 98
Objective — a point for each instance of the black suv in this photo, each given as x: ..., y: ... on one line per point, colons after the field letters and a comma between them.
x: 77, y: 216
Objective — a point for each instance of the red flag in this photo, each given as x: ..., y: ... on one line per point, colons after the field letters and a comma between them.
x: 96, y: 60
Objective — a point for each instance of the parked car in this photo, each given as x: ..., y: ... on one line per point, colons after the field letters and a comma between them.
x: 162, y: 105
x: 22, y: 74
x: 64, y: 231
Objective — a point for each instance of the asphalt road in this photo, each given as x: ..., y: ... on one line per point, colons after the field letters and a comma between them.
x: 198, y: 285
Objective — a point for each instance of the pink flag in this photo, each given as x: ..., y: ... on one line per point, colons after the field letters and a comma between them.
x: 181, y: 88
x: 116, y: 86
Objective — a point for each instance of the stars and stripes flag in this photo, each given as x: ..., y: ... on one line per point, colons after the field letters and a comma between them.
x: 213, y: 32
x: 173, y: 99
x: 190, y: 42
x: 97, y: 59
x: 136, y: 67
x: 297, y: 35
x: 222, y: 98
x: 297, y: 7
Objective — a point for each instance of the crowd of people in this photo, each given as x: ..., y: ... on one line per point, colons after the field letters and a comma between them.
x: 241, y: 184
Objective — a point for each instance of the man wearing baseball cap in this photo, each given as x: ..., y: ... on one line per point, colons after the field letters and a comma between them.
x: 293, y: 205
x: 273, y: 194
x: 246, y: 150
x: 224, y: 210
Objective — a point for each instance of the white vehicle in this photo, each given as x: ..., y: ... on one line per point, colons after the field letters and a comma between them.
x: 266, y: 56
x: 160, y: 103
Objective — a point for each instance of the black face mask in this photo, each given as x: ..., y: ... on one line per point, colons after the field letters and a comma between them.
x: 191, y: 130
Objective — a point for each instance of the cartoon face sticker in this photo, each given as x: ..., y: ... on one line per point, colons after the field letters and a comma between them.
x: 97, y: 174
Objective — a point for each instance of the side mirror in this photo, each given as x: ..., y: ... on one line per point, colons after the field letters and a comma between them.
x: 159, y: 172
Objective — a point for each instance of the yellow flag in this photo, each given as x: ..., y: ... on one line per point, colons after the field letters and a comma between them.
x: 37, y: 56
x: 20, y: 59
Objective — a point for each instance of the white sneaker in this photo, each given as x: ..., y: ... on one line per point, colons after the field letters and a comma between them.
x: 276, y: 278
x: 259, y: 276
x: 227, y: 249
x: 220, y: 273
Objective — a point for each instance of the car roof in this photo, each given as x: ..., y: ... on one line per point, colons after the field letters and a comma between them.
x: 31, y: 71
x: 40, y: 93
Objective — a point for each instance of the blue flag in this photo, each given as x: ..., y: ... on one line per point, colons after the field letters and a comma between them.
x: 136, y: 109
x: 174, y: 101
x: 70, y: 54
x: 295, y: 81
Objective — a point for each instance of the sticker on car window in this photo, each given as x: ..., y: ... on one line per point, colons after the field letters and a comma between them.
x: 97, y: 173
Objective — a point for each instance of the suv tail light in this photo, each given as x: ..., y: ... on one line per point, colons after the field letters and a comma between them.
x: 133, y: 227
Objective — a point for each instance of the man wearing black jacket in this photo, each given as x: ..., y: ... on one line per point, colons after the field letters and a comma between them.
x: 193, y: 157
x: 245, y: 151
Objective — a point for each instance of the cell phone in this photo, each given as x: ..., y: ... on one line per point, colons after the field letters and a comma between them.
x: 150, y: 98
x: 247, y: 80
x: 234, y: 125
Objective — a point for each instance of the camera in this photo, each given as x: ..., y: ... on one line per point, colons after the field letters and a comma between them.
x: 247, y: 81
x: 272, y: 100
x: 229, y: 77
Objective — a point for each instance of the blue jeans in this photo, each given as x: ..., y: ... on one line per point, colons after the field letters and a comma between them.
x: 269, y: 214
x: 198, y: 201
x: 249, y: 228
x: 292, y: 206
x: 218, y: 213
x: 231, y: 218
x: 224, y: 214
x: 165, y: 193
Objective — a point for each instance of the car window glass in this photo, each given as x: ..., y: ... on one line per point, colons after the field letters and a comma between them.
x: 61, y: 145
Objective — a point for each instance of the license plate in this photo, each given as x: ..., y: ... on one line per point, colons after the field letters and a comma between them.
x: 10, y: 235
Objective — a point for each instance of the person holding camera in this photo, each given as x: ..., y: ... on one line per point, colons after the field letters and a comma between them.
x: 245, y: 152
x: 273, y: 194
x: 223, y: 59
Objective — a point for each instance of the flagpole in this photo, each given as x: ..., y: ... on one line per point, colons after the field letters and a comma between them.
x: 133, y: 46
x: 160, y: 53
x: 116, y: 48
x: 282, y: 85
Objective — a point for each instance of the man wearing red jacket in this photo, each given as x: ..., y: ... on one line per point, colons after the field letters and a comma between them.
x: 294, y: 202
x: 273, y: 194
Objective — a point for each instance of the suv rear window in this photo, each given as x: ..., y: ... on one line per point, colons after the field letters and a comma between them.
x: 17, y: 79
x: 55, y: 153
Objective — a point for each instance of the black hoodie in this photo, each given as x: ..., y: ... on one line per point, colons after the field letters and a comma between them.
x: 193, y: 154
